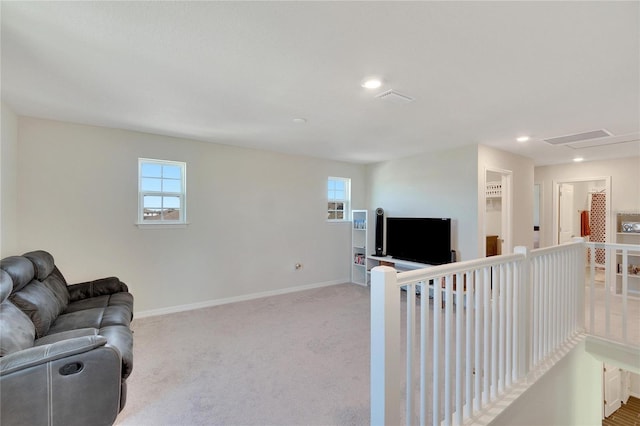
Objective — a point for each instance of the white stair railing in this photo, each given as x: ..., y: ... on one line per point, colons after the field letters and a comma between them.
x: 487, y: 323
x: 557, y: 298
x: 611, y: 293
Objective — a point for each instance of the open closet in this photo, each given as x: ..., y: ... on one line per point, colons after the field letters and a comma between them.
x: 582, y: 212
x: 594, y: 225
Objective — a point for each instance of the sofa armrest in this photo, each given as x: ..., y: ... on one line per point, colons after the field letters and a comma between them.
x: 99, y: 287
x: 65, y: 335
x: 75, y: 382
x: 38, y: 355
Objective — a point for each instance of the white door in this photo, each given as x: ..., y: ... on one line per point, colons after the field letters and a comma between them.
x: 566, y: 213
x: 626, y: 386
x: 612, y: 389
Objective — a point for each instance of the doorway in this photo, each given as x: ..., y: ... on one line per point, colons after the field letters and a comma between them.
x: 537, y: 208
x: 574, y: 214
x: 616, y: 388
x: 566, y: 218
x: 498, y: 211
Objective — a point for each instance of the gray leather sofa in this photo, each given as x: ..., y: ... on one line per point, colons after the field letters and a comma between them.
x: 65, y: 350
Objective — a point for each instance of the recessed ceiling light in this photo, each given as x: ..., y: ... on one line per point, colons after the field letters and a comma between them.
x: 300, y: 120
x: 578, y: 159
x: 372, y: 83
x: 522, y: 138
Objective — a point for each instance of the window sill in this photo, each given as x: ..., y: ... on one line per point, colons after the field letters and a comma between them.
x: 161, y: 225
x: 338, y: 221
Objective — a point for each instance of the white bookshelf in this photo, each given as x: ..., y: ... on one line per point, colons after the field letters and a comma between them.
x: 359, y: 246
x: 622, y: 237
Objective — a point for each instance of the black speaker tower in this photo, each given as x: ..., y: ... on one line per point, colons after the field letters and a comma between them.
x: 379, y: 230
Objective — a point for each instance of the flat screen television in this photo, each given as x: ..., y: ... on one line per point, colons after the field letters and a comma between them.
x: 422, y: 240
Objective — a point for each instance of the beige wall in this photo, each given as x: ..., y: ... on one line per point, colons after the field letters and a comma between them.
x: 440, y: 184
x: 570, y: 393
x: 522, y: 193
x: 8, y: 181
x: 252, y: 214
x: 625, y: 187
x: 449, y: 184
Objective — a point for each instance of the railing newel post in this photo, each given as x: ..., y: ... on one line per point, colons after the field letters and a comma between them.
x: 385, y: 346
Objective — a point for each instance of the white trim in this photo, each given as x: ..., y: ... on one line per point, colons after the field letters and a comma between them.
x: 182, y: 195
x: 243, y: 298
x: 346, y: 202
x: 162, y: 225
x: 618, y: 354
x: 555, y: 205
x: 506, y: 221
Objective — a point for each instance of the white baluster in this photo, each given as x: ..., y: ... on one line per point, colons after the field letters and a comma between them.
x: 411, y: 321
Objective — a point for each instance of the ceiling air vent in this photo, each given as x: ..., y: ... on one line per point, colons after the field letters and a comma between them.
x: 393, y: 96
x: 563, y: 140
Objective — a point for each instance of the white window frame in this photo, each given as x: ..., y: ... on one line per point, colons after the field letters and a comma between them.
x: 346, y: 201
x: 182, y: 195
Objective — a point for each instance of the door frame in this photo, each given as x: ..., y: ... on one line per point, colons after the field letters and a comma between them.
x: 610, y: 403
x: 507, y: 211
x: 563, y: 204
x: 556, y: 204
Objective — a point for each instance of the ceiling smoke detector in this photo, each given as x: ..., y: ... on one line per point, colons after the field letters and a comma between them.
x: 393, y: 96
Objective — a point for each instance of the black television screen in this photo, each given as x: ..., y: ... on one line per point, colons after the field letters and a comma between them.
x: 423, y: 240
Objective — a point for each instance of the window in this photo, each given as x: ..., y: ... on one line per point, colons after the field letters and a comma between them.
x: 338, y: 197
x: 161, y: 192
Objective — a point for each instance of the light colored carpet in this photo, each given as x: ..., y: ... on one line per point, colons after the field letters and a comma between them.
x: 295, y: 359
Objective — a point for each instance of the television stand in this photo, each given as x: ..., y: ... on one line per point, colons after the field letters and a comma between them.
x: 398, y: 264
x: 406, y: 265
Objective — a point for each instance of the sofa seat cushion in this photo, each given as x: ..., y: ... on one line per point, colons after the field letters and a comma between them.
x: 116, y: 299
x: 92, y: 318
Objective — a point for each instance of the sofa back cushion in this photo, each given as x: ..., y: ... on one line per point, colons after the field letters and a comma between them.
x: 30, y: 295
x: 47, y: 273
x: 16, y: 329
x: 39, y: 303
x: 42, y: 262
x: 20, y: 269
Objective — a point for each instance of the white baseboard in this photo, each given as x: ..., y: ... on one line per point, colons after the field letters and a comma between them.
x: 216, y: 302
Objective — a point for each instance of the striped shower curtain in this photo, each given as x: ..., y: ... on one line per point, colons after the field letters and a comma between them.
x: 598, y: 222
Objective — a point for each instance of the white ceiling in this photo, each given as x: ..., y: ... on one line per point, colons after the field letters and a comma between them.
x: 239, y: 72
